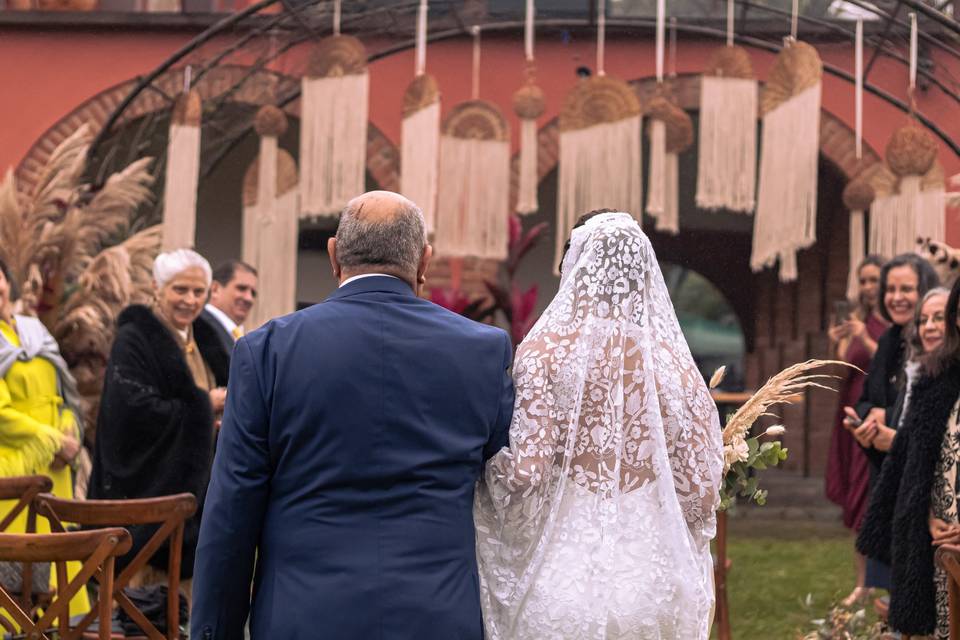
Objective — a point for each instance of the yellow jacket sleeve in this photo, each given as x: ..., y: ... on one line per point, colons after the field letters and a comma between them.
x: 26, y: 445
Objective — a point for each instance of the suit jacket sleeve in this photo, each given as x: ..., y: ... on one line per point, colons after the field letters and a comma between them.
x: 499, y: 436
x: 234, y: 507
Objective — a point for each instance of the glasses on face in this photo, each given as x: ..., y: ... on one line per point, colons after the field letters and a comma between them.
x: 937, y: 318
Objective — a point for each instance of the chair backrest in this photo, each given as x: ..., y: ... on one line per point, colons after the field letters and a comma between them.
x: 949, y: 560
x: 170, y: 512
x: 23, y: 489
x: 97, y: 551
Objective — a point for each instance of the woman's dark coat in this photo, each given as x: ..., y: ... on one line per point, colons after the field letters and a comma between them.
x: 883, y: 387
x: 896, y: 530
x: 155, y: 428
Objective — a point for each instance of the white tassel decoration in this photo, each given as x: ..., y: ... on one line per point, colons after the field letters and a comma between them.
x: 420, y: 158
x: 727, y: 160
x: 600, y: 167
x: 183, y: 174
x: 333, y: 126
x: 786, y: 218
x: 527, y: 201
x: 857, y: 230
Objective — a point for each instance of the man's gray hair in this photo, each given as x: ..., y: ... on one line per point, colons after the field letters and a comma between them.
x: 168, y: 265
x: 396, y: 242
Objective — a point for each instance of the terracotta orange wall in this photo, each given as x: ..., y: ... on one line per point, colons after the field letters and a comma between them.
x: 48, y: 74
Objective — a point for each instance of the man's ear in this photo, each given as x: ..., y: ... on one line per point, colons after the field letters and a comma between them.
x: 332, y: 252
x: 424, y: 264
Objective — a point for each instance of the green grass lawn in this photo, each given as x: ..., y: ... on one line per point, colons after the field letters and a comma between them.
x: 775, y: 566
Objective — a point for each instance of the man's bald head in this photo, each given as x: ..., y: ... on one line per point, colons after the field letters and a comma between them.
x: 381, y: 231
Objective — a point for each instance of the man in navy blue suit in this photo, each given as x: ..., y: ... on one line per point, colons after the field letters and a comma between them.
x: 354, y: 433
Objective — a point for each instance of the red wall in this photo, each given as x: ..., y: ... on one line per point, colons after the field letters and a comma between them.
x: 48, y: 74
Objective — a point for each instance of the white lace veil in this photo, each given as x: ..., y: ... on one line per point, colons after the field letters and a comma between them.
x: 611, y: 411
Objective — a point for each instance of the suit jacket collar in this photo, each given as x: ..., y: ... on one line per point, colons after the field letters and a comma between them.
x: 373, y: 284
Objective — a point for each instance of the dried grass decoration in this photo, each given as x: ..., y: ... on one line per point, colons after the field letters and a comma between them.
x: 858, y: 195
x: 474, y: 190
x: 727, y: 159
x: 183, y: 173
x: 420, y: 146
x: 786, y: 218
x: 333, y: 125
x: 271, y: 212
x: 528, y: 104
x: 600, y: 161
x: 910, y: 201
x: 671, y: 132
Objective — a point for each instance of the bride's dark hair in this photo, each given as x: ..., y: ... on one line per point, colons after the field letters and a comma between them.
x: 582, y: 220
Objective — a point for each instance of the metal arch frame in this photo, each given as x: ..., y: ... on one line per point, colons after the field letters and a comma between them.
x: 309, y: 32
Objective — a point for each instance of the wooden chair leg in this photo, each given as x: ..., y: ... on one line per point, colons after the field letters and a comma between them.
x: 63, y: 622
x: 106, y: 601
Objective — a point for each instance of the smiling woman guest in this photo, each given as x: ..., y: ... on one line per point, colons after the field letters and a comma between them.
x: 904, y: 281
x: 162, y: 393
x: 914, y: 504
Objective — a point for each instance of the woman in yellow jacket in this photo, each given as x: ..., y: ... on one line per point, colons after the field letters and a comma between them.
x: 39, y: 426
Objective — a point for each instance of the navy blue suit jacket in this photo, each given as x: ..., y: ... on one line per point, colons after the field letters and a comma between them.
x: 353, y: 435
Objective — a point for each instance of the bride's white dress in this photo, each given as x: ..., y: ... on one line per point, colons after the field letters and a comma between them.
x: 596, y: 522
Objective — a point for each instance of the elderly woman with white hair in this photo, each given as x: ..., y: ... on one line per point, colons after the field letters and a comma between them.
x: 162, y: 394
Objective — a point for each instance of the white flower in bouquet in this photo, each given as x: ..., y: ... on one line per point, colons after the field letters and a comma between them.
x: 736, y: 451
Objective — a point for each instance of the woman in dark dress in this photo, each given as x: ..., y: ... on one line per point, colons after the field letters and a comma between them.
x: 848, y: 472
x: 162, y: 391
x: 904, y: 280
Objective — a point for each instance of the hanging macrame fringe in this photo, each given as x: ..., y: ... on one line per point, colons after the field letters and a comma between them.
x: 897, y: 220
x: 270, y: 235
x: 663, y: 186
x: 473, y: 198
x: 727, y: 160
x: 333, y: 142
x: 600, y: 166
x: 527, y: 194
x: 786, y: 216
x: 857, y: 252
x: 183, y: 174
x: 419, y: 162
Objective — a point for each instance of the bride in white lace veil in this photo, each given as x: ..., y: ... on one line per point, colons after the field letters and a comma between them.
x: 595, y: 523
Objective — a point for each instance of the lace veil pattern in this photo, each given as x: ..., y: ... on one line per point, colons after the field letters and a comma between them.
x: 605, y: 500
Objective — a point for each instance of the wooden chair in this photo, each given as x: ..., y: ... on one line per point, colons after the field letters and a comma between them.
x: 948, y: 559
x: 95, y: 549
x: 720, y: 568
x: 24, y: 489
x: 170, y: 512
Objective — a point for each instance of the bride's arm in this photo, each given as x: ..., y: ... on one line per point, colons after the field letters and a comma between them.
x: 532, y: 430
x: 695, y: 447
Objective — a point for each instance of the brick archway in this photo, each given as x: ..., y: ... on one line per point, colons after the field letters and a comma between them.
x: 383, y: 158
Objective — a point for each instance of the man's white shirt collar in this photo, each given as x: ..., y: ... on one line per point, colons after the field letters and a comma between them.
x: 366, y: 275
x: 223, y: 319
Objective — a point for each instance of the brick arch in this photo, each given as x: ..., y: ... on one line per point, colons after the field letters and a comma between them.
x: 256, y: 89
x: 837, y: 140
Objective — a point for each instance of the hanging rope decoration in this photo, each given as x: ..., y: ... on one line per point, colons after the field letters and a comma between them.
x: 420, y: 132
x: 528, y: 104
x: 271, y: 220
x: 914, y: 207
x: 858, y: 195
x: 786, y: 217
x: 473, y: 197
x: 183, y: 170
x: 333, y: 130
x: 671, y: 132
x: 727, y: 159
x: 600, y: 158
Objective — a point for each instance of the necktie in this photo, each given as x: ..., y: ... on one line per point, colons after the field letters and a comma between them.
x: 237, y: 333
